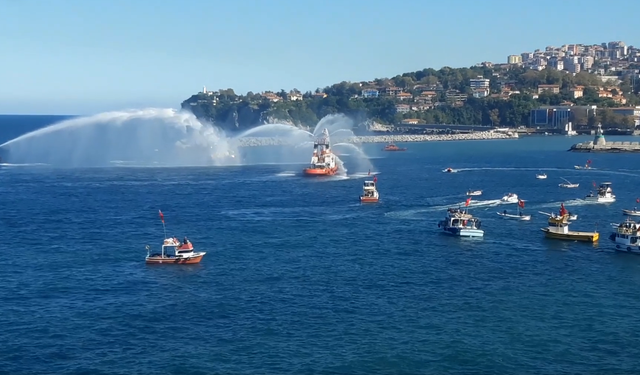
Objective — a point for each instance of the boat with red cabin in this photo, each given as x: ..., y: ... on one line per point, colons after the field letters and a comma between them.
x: 393, y: 147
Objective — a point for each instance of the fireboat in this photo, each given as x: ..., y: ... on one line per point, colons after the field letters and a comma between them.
x: 323, y: 161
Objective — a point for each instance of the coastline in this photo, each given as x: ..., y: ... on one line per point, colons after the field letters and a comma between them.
x: 400, y: 138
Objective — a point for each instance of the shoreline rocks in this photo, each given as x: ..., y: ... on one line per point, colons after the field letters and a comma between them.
x: 400, y: 138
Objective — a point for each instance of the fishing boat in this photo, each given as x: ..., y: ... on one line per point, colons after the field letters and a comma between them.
x: 558, y: 229
x: 369, y: 192
x: 449, y: 170
x: 586, y: 166
x: 474, y: 192
x: 520, y: 216
x: 626, y: 235
x: 567, y: 184
x: 541, y: 176
x: 323, y: 160
x: 393, y: 147
x: 603, y: 195
x: 633, y: 212
x: 173, y: 251
x: 510, y: 198
x: 461, y: 224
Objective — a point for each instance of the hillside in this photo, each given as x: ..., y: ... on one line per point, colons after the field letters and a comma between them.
x: 488, y: 94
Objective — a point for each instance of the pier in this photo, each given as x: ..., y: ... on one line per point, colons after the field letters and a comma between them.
x: 599, y: 144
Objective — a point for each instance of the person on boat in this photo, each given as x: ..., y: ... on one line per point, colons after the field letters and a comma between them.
x: 504, y: 212
x: 185, y: 241
x: 563, y: 211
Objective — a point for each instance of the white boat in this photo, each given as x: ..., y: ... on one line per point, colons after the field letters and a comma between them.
x: 460, y: 223
x: 449, y: 170
x: 541, y: 176
x: 520, y: 216
x: 474, y: 192
x: 604, y: 194
x: 567, y: 184
x: 509, y: 198
x: 369, y: 192
x: 633, y: 212
x: 626, y: 235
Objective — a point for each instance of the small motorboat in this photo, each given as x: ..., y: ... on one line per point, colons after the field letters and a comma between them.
x: 474, y: 192
x: 633, y: 212
x: 541, y: 176
x: 510, y: 198
x: 586, y: 166
x: 520, y: 216
x: 461, y: 224
x: 369, y: 192
x: 393, y: 147
x: 449, y: 170
x: 603, y: 195
x: 567, y: 184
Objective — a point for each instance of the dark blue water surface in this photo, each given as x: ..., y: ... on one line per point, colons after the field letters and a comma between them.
x: 300, y: 278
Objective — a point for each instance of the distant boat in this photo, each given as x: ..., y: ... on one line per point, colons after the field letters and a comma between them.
x: 392, y: 147
x: 474, y: 192
x: 568, y: 184
x: 541, y: 176
x: 449, y: 170
x: 520, y: 216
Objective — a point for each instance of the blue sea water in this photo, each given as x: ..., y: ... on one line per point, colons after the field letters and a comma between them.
x: 300, y: 278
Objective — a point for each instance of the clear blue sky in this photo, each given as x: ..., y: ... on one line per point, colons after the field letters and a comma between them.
x: 88, y: 56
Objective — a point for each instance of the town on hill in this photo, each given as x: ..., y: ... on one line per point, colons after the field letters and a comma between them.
x: 575, y: 86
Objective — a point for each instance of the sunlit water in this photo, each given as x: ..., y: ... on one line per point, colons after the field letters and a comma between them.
x: 301, y: 278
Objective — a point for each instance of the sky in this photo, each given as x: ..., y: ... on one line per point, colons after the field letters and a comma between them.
x: 89, y: 56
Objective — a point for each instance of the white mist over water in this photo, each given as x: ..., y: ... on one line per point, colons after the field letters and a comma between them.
x: 166, y: 137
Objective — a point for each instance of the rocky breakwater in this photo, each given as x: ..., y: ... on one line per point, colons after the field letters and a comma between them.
x: 606, y: 147
x: 401, y: 138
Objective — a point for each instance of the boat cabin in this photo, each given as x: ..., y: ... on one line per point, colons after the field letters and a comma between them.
x: 369, y: 189
x: 558, y: 224
x: 173, y: 248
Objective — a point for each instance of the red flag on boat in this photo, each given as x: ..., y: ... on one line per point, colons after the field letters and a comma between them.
x: 637, y: 200
x: 467, y: 202
x: 588, y: 161
x: 369, y: 174
x: 563, y: 211
x: 521, y: 203
x: 375, y: 178
x: 594, y: 184
x: 161, y: 216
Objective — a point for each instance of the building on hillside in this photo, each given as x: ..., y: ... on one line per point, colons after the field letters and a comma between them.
x: 410, y: 121
x: 482, y: 92
x: 514, y: 59
x: 479, y: 83
x: 404, y: 96
x: 370, y: 93
x: 554, y: 89
x: 577, y: 92
x: 403, y: 108
x: 392, y: 91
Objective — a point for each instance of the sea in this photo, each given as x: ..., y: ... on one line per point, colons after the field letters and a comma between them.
x: 300, y: 278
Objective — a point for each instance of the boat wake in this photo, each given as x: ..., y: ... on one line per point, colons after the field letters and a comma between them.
x: 621, y: 172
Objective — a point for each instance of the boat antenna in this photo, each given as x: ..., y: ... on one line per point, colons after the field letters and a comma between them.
x: 163, y: 226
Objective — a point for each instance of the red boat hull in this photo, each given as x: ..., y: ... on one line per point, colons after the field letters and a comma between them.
x: 368, y: 200
x: 161, y: 260
x: 394, y: 149
x: 320, y: 172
